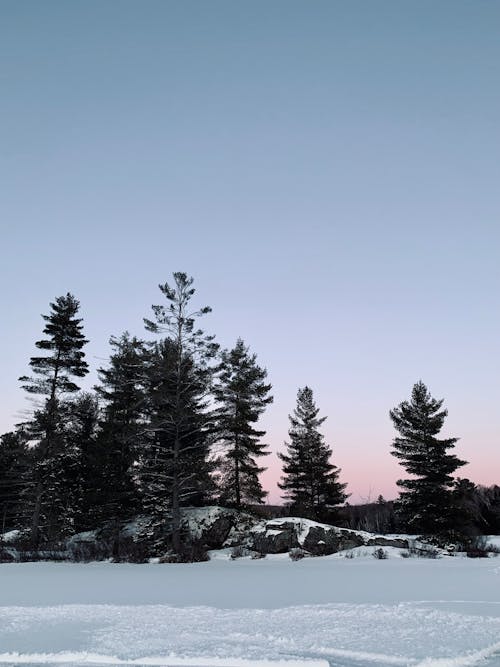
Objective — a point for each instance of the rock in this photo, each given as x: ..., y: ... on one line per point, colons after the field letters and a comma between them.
x: 217, y: 527
x: 215, y: 534
x: 321, y: 541
x: 398, y: 542
x: 275, y: 538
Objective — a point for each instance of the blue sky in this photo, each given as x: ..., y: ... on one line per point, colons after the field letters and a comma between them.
x: 328, y: 172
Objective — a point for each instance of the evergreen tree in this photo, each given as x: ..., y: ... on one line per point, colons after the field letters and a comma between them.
x: 175, y: 466
x: 54, y: 375
x: 111, y: 487
x: 84, y: 478
x: 65, y: 359
x: 310, y: 480
x: 242, y: 394
x: 426, y: 504
x: 14, y: 458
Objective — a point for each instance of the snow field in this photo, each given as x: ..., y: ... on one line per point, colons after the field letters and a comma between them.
x: 318, y: 612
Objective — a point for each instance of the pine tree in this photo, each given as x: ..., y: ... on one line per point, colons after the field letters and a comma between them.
x: 242, y: 394
x: 84, y: 478
x: 54, y: 371
x: 310, y: 480
x: 175, y: 467
x: 426, y: 504
x: 111, y: 488
x: 53, y: 377
x: 14, y: 461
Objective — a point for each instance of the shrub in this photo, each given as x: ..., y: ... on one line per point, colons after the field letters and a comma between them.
x: 8, y: 555
x: 239, y: 551
x: 380, y: 554
x: 190, y: 553
x: 479, y: 548
x: 427, y: 552
x: 297, y: 554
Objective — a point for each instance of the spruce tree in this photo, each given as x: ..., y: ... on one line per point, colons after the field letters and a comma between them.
x: 242, y: 395
x: 54, y: 374
x: 175, y: 466
x: 310, y: 480
x: 426, y: 503
x: 14, y: 462
x: 84, y: 478
x: 111, y: 488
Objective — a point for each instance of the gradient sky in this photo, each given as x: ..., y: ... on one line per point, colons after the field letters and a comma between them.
x: 327, y: 171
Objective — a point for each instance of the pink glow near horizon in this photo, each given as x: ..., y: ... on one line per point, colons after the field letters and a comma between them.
x: 376, y: 473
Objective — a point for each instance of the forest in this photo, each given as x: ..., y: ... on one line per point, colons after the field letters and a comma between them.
x: 173, y: 423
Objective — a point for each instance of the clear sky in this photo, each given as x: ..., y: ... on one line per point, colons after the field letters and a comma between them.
x: 327, y: 171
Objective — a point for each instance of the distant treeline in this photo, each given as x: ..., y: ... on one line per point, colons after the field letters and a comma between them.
x: 173, y: 422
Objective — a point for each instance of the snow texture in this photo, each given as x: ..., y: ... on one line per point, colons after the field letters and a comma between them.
x: 246, y: 613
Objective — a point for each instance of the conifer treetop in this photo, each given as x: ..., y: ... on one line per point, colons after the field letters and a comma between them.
x: 64, y: 344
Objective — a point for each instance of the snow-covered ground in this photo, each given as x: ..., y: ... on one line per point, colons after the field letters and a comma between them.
x: 318, y: 611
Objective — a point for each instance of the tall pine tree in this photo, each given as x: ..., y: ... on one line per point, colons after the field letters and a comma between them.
x: 426, y: 503
x: 54, y: 374
x: 175, y: 467
x: 310, y: 480
x: 242, y: 394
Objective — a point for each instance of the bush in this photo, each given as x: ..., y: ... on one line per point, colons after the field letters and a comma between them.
x: 239, y: 551
x: 427, y: 552
x: 8, y: 555
x: 450, y: 540
x: 479, y: 548
x: 190, y: 553
x: 36, y: 556
x: 380, y: 554
x: 86, y: 552
x: 297, y: 554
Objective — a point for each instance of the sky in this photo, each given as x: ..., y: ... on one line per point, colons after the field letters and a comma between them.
x: 326, y: 171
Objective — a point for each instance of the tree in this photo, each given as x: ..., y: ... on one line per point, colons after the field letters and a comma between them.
x: 84, y: 478
x: 242, y: 395
x: 111, y: 487
x: 426, y: 504
x: 54, y: 375
x: 14, y: 456
x: 175, y: 466
x: 310, y: 480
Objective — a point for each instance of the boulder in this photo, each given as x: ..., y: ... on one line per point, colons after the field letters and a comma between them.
x: 321, y: 541
x: 275, y: 538
x: 217, y: 527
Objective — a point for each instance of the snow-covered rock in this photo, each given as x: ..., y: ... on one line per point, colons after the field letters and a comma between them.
x: 318, y: 539
x: 217, y: 527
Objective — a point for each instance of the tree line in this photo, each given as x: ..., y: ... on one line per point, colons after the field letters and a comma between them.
x: 173, y: 422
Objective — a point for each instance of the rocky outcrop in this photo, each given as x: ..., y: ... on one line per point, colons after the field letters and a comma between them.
x: 321, y: 540
x: 282, y: 535
x: 381, y: 541
x: 275, y: 537
x: 217, y: 527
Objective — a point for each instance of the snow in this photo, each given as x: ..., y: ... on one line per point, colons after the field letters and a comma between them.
x: 494, y: 540
x: 10, y: 536
x: 303, y: 526
x: 254, y: 613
